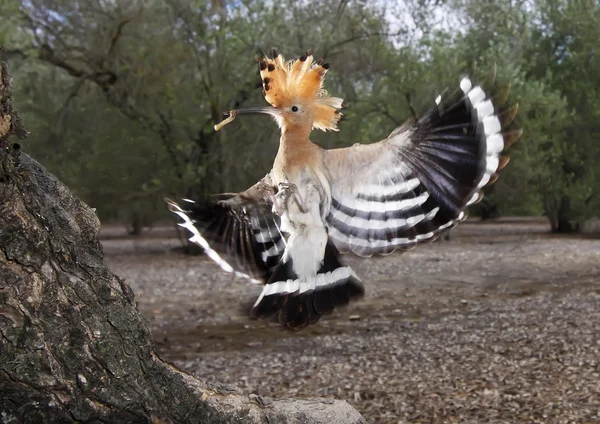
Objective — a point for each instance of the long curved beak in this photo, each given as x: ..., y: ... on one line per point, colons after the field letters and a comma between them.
x: 269, y: 110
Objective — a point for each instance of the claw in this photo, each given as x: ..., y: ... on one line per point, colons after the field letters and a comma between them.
x: 285, y: 186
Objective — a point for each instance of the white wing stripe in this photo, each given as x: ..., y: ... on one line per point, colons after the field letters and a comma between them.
x: 389, y: 190
x: 266, y: 235
x: 494, y: 139
x: 381, y: 244
x: 414, y: 220
x: 371, y: 224
x: 446, y: 225
x: 424, y: 236
x: 274, y: 250
x: 465, y: 85
x: 484, y: 109
x: 301, y: 286
x: 364, y: 243
x: 473, y: 198
x: 491, y: 125
x: 390, y: 224
x: 484, y: 180
x: 492, y: 163
x: 476, y: 95
x: 201, y: 241
x: 495, y: 144
x: 367, y: 206
x: 430, y: 215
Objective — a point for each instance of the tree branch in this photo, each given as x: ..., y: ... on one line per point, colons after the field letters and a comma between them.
x: 329, y: 50
x: 56, y: 134
x: 8, y: 53
x: 408, y: 98
x: 119, y: 30
x: 379, y: 108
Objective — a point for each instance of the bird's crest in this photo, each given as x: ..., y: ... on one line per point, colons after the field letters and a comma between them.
x: 300, y: 80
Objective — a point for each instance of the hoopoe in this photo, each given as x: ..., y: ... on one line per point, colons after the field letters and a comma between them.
x: 287, y: 230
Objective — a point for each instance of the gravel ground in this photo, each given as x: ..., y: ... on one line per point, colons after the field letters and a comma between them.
x: 499, y: 325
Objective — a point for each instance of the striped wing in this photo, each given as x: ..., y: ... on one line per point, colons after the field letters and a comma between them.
x: 419, y: 181
x: 240, y: 234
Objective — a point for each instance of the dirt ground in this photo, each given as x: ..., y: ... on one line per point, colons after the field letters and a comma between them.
x: 501, y: 324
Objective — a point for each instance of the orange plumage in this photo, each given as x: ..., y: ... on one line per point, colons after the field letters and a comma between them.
x: 300, y: 81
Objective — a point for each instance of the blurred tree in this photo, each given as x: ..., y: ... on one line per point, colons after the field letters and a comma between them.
x: 549, y: 51
x: 118, y: 168
x: 139, y: 86
x: 171, y: 66
x: 567, y: 57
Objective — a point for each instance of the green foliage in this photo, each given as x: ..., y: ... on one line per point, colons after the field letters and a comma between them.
x: 549, y: 51
x: 118, y: 168
x: 121, y: 97
x: 567, y: 59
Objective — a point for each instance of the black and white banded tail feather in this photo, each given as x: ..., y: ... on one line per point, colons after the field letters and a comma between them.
x: 421, y: 179
x: 245, y: 240
x: 299, y: 302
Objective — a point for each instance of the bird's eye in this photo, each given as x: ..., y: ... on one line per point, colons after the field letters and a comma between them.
x: 294, y: 108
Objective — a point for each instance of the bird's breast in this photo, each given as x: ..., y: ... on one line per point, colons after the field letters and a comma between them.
x: 302, y: 164
x: 294, y: 159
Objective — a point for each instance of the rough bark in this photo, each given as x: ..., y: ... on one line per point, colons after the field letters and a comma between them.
x: 73, y: 345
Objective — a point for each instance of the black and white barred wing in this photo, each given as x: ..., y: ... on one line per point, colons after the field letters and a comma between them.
x: 419, y: 181
x: 240, y: 234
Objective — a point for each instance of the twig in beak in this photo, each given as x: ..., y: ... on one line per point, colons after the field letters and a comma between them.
x: 231, y: 117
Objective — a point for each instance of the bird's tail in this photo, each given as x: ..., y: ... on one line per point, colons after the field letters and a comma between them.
x: 302, y: 301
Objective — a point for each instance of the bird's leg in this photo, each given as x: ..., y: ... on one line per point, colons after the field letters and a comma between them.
x: 280, y: 200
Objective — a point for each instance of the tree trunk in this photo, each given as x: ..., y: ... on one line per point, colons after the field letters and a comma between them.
x: 73, y: 345
x: 561, y: 219
x: 489, y: 211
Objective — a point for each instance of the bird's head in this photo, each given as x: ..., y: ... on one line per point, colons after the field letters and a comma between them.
x: 294, y: 90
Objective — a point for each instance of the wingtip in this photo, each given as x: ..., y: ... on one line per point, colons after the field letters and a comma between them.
x: 507, y: 116
x: 172, y: 205
x: 466, y: 84
x: 501, y: 95
x: 493, y: 179
x: 503, y: 162
x: 491, y: 76
x: 510, y: 137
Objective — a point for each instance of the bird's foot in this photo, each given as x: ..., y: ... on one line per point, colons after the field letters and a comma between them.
x: 287, y: 187
x: 289, y: 191
x: 281, y: 198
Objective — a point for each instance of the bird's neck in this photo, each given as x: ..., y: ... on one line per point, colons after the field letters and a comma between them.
x: 296, y: 152
x: 295, y: 136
